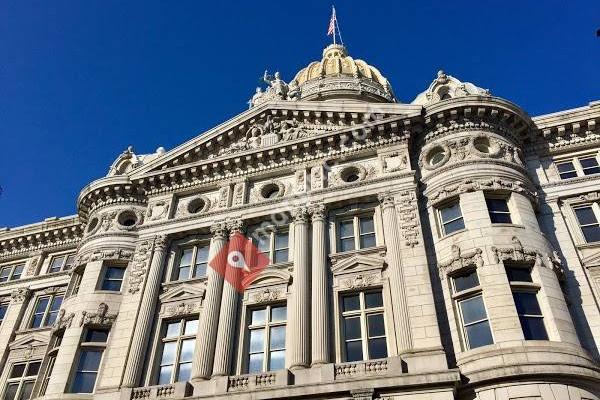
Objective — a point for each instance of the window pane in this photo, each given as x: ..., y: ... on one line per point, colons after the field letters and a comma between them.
x: 589, y: 165
x: 376, y: 325
x: 36, y: 322
x: 451, y: 212
x: 200, y: 270
x: 186, y: 257
x: 347, y: 244
x: 585, y: 216
x: 184, y: 273
x: 516, y: 274
x: 473, y: 309
x: 496, y: 205
x: 526, y: 303
x: 164, y: 375
x: 56, y: 264
x: 187, y: 350
x: 173, y: 329
x: 84, y: 382
x: 18, y: 271
x: 280, y: 256
x: 367, y: 241
x: 346, y: 229
x: 17, y: 370
x: 591, y: 233
x: 96, y: 335
x: 255, y: 363
x: 185, y: 372
x: 354, y: 351
x: 479, y: 334
x: 191, y: 327
x: 26, y: 390
x: 259, y: 316
x: 169, y: 353
x: 568, y: 175
x: 533, y: 328
x: 377, y: 348
x: 373, y: 299
x: 281, y: 240
x: 42, y: 304
x: 352, y: 328
x: 264, y: 243
x: 4, y: 273
x: 565, y: 167
x: 115, y: 273
x: 278, y: 313
x: 454, y: 226
x: 33, y: 369
x: 3, y: 309
x: 56, y: 302
x: 351, y: 302
x: 464, y: 282
x: 500, y: 218
x: 113, y: 286
x: 277, y: 338
x: 277, y: 360
x: 366, y: 225
x: 11, y: 391
x: 89, y: 360
x: 257, y: 340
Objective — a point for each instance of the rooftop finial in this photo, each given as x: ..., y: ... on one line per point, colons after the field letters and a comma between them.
x: 334, y: 27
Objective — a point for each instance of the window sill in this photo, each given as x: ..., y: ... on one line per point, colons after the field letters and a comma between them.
x: 181, y: 281
x: 508, y: 225
x: 377, y: 249
x: 101, y: 291
x: 453, y: 233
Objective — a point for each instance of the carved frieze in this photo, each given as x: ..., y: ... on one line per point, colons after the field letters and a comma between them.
x: 158, y: 210
x: 101, y: 317
x: 459, y: 260
x: 317, y: 177
x: 360, y: 281
x: 104, y: 254
x: 180, y: 309
x: 34, y: 263
x: 239, y: 193
x: 472, y: 185
x: 63, y: 321
x: 518, y: 253
x: 267, y: 295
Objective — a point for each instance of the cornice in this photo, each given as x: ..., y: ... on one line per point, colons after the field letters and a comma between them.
x: 13, y: 249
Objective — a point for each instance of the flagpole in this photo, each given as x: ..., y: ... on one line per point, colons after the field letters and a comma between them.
x: 335, y: 22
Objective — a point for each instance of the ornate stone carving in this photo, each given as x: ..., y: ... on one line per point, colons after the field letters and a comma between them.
x: 19, y: 295
x: 180, y: 309
x: 267, y: 295
x: 63, y: 322
x: 316, y: 177
x: 516, y: 253
x: 386, y: 199
x: 409, y: 217
x: 300, y: 180
x: 104, y: 254
x: 223, y: 197
x: 239, y: 193
x: 472, y: 185
x: 459, y: 260
x: 300, y: 215
x: 139, y: 264
x: 394, y: 162
x: 33, y: 264
x: 158, y: 210
x: 317, y: 211
x: 359, y: 281
x: 100, y: 317
x: 591, y: 196
x: 235, y: 226
x: 219, y: 230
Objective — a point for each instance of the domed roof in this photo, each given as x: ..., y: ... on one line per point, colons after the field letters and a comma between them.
x: 446, y: 87
x: 338, y: 75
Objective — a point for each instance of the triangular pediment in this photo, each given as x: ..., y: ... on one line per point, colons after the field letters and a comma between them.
x: 591, y: 260
x: 269, y: 126
x: 359, y: 262
x: 29, y: 340
x: 182, y: 292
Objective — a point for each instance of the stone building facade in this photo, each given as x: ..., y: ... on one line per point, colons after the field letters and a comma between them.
x: 447, y: 248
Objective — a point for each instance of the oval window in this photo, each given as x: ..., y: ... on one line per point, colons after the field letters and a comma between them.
x: 436, y: 156
x: 127, y: 218
x: 482, y: 144
x: 270, y: 191
x: 196, y: 205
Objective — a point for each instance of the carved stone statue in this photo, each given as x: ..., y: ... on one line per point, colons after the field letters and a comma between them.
x: 276, y: 85
x: 256, y: 97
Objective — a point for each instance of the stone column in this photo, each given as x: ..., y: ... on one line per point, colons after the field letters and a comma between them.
x: 12, y: 320
x: 227, y: 318
x: 209, y: 318
x: 146, y: 313
x: 299, y: 310
x: 320, y: 292
x: 396, y: 275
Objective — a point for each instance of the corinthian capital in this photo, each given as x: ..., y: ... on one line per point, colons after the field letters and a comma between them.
x: 317, y: 211
x: 235, y: 226
x: 300, y: 215
x: 386, y: 199
x: 219, y: 230
x: 161, y: 242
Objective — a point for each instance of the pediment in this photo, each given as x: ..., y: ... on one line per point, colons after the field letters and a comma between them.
x: 269, y: 126
x: 591, y: 260
x: 270, y: 277
x: 358, y: 262
x: 29, y: 340
x: 182, y: 292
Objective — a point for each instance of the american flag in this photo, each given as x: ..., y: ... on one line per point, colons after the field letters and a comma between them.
x: 331, y: 30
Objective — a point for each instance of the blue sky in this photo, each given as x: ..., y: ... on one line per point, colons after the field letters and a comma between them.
x: 82, y: 80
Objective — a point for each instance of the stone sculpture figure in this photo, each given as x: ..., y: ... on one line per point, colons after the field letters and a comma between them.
x: 276, y: 85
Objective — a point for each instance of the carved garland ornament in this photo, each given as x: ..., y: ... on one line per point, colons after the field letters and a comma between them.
x: 359, y: 281
x: 180, y: 309
x: 409, y: 217
x: 105, y: 254
x: 139, y: 264
x: 520, y: 254
x: 100, y: 317
x: 267, y: 295
x: 19, y: 295
x: 471, y: 185
x: 459, y: 260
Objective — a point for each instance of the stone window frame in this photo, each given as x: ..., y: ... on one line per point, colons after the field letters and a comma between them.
x: 48, y: 362
x: 508, y: 199
x: 575, y: 159
x: 33, y: 305
x: 156, y: 353
x: 65, y: 266
x: 22, y: 379
x: 459, y: 296
x: 11, y: 267
x: 195, y: 247
x: 75, y: 281
x: 363, y: 313
x: 568, y: 210
x: 272, y: 231
x: 102, y: 275
x: 83, y: 346
x: 175, y: 252
x: 354, y: 211
x: 595, y: 206
x: 439, y: 220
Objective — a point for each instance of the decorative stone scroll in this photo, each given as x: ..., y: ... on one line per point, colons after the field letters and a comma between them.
x: 100, y: 317
x: 19, y: 295
x: 139, y: 264
x: 459, y: 260
x: 104, y: 254
x: 472, y: 185
x: 409, y: 217
x: 63, y: 322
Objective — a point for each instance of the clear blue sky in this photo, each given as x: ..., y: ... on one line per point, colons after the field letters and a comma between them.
x: 82, y: 80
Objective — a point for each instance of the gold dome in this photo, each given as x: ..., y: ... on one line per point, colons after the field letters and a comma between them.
x: 336, y: 63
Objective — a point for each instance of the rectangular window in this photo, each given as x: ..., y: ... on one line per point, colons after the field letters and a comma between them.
x: 498, y: 210
x: 587, y: 217
x: 88, y: 363
x: 45, y: 311
x: 3, y: 309
x: 471, y: 309
x: 75, y: 284
x: 193, y: 262
x: 356, y: 233
x: 11, y: 272
x: 55, y: 341
x: 274, y: 245
x: 578, y: 166
x: 566, y: 170
x: 451, y: 218
x: 266, y: 339
x: 178, y: 340
x: 363, y: 326
x: 589, y: 165
x: 525, y: 297
x: 61, y: 263
x: 113, y: 278
x: 21, y: 380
